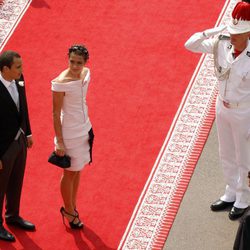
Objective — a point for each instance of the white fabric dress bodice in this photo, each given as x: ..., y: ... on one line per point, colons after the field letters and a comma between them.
x: 74, y: 115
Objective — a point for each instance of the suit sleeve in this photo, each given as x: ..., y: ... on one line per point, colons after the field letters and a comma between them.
x: 27, y: 120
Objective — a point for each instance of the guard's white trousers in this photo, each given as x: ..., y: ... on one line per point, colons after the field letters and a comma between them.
x: 233, y: 126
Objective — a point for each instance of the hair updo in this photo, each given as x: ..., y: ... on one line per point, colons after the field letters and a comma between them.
x: 79, y: 50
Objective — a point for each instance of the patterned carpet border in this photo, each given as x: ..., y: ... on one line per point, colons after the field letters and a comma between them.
x: 11, y: 12
x: 159, y: 202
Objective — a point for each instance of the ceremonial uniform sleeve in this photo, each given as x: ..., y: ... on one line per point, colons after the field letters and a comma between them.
x: 198, y: 42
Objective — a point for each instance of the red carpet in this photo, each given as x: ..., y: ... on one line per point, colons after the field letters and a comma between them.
x: 140, y: 72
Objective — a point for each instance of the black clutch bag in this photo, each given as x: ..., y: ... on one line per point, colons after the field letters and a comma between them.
x: 60, y: 161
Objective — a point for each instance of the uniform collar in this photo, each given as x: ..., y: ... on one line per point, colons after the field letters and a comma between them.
x: 245, y: 52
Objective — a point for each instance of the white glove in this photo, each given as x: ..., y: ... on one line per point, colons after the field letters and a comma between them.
x: 214, y: 31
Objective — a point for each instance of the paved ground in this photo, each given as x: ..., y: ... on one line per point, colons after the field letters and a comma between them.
x: 196, y: 227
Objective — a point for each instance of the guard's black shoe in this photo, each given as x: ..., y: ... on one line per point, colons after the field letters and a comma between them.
x: 220, y: 205
x: 236, y: 213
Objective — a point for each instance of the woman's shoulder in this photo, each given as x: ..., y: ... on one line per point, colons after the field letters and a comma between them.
x: 85, y: 73
x: 62, y: 83
x: 86, y: 69
x: 62, y: 78
x: 85, y: 76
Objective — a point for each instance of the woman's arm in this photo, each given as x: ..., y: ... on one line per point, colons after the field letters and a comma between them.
x: 57, y: 106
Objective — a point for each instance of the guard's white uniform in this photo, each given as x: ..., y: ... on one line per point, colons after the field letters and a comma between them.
x: 232, y: 114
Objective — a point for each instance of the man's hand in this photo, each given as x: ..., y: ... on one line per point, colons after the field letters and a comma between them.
x: 1, y: 165
x: 29, y: 142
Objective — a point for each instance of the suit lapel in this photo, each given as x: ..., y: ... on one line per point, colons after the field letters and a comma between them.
x: 5, y: 95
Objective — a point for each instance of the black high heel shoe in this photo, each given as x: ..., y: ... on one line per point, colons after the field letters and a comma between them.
x: 78, y: 225
x: 76, y: 211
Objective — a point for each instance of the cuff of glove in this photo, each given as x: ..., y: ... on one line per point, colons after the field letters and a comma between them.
x: 213, y: 31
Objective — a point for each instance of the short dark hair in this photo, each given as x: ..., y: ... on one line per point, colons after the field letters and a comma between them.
x: 7, y: 58
x: 79, y: 50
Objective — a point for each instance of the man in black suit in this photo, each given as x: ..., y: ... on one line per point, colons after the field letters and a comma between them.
x: 242, y: 239
x: 15, y: 137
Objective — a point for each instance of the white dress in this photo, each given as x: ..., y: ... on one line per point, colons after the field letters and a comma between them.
x: 75, y: 120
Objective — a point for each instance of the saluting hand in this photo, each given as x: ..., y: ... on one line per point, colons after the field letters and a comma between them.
x: 214, y: 31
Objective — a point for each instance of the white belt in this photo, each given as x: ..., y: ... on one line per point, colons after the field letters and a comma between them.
x: 19, y: 132
x: 235, y: 105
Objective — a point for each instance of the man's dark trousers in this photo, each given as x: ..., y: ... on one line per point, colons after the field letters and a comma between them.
x: 11, y: 176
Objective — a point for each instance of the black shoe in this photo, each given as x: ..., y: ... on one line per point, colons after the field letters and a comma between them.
x: 73, y: 225
x: 21, y: 223
x: 5, y: 235
x: 236, y: 213
x: 220, y: 205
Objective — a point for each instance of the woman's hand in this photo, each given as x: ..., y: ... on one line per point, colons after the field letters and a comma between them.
x: 60, y: 149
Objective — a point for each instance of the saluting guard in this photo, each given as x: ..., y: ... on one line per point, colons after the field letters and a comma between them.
x: 232, y: 69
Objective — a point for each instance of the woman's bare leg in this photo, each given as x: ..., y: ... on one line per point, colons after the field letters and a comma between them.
x: 75, y: 187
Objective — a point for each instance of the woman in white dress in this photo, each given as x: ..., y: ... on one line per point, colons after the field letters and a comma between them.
x: 73, y: 130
